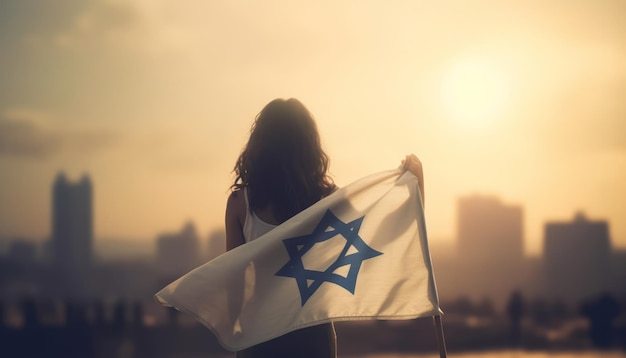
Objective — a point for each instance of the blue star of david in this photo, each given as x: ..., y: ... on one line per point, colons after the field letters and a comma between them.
x: 328, y: 227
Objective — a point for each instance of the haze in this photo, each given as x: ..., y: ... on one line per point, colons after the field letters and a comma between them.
x: 154, y: 99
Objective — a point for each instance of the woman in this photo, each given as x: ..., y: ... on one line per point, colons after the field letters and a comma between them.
x: 281, y: 171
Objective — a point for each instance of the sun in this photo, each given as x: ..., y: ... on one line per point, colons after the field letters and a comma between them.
x: 474, y: 92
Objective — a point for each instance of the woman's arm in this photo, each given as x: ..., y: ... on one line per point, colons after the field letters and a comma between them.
x: 414, y: 165
x: 235, y: 216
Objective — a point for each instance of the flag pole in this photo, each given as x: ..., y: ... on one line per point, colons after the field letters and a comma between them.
x: 441, y: 342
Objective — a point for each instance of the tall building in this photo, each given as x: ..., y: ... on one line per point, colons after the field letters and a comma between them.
x: 22, y: 251
x: 216, y: 244
x: 618, y: 266
x: 577, y: 258
x: 488, y: 228
x: 490, y: 248
x: 178, y: 253
x: 72, y: 222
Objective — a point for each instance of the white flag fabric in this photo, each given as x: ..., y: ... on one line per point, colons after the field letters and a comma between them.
x: 360, y: 253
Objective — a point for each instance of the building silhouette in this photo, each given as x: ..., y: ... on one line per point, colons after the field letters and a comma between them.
x: 23, y: 251
x: 488, y: 228
x: 72, y: 222
x: 618, y: 267
x: 178, y: 253
x: 490, y: 251
x: 577, y: 258
x: 216, y: 244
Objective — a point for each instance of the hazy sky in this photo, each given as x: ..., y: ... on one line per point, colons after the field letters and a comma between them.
x: 525, y: 100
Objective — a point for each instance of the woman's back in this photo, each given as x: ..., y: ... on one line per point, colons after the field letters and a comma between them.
x: 281, y: 171
x: 315, y: 342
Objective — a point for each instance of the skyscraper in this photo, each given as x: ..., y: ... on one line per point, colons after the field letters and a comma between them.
x: 487, y: 228
x: 216, y: 244
x: 490, y: 248
x: 179, y: 252
x: 576, y: 258
x: 72, y: 223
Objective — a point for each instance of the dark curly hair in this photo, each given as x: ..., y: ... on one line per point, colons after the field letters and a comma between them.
x: 283, y: 164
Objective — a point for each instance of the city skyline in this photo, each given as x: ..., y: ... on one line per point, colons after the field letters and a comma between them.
x: 486, y: 261
x: 519, y: 99
x: 481, y: 221
x: 488, y: 200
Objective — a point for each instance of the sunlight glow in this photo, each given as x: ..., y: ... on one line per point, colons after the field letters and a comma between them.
x: 473, y: 93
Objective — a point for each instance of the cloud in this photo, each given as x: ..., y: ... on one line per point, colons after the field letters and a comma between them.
x: 21, y: 135
x: 103, y: 21
x: 207, y: 29
x: 27, y: 134
x: 134, y: 26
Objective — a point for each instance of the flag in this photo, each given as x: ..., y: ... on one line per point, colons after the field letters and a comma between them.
x: 358, y: 254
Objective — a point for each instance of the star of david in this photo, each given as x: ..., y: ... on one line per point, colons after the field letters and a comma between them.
x: 328, y: 227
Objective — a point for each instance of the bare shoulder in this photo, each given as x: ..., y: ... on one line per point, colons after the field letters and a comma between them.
x: 236, y: 202
x: 235, y: 217
x: 235, y: 196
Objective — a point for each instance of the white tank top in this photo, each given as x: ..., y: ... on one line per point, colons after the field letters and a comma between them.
x: 253, y: 226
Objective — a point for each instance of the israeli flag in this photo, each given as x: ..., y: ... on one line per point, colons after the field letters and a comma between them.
x: 360, y: 253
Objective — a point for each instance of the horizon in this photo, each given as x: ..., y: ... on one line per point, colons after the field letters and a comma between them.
x: 108, y: 248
